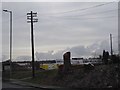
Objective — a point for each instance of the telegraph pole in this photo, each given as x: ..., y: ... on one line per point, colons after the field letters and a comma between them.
x: 111, y: 44
x: 32, y: 18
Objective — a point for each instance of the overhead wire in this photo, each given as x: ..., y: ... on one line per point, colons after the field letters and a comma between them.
x: 74, y: 11
x: 91, y: 18
x: 77, y: 10
x: 82, y: 14
x: 81, y: 9
x: 102, y: 12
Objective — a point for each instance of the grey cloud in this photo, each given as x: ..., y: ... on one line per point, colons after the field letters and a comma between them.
x: 95, y: 49
x: 55, y: 29
x: 80, y: 51
x: 50, y: 55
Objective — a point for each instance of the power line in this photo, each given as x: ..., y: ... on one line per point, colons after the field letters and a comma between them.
x: 75, y: 16
x: 86, y: 14
x: 96, y: 13
x: 75, y: 10
x: 92, y: 18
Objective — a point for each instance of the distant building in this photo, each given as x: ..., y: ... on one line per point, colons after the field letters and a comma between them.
x: 77, y: 58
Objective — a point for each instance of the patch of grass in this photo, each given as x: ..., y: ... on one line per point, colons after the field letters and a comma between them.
x: 41, y: 77
x: 21, y: 74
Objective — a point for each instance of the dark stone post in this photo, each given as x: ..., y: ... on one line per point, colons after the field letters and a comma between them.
x: 67, y: 63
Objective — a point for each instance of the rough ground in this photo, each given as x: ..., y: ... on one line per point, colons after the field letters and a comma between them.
x: 102, y: 76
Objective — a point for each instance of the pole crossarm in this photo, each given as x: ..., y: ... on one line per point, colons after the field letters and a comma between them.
x: 34, y: 17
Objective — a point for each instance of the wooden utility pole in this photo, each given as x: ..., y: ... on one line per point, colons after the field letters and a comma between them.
x: 31, y: 17
x: 111, y: 44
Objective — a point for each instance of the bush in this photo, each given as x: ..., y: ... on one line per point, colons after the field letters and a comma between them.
x: 105, y: 56
x: 115, y: 59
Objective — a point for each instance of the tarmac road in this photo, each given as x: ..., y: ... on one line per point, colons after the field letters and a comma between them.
x: 11, y: 86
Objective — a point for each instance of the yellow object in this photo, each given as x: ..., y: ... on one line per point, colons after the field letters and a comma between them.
x: 49, y: 66
x: 44, y: 66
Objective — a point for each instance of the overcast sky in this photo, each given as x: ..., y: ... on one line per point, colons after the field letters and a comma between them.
x: 80, y: 27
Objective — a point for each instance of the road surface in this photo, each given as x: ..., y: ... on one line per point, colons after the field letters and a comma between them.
x: 11, y: 86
